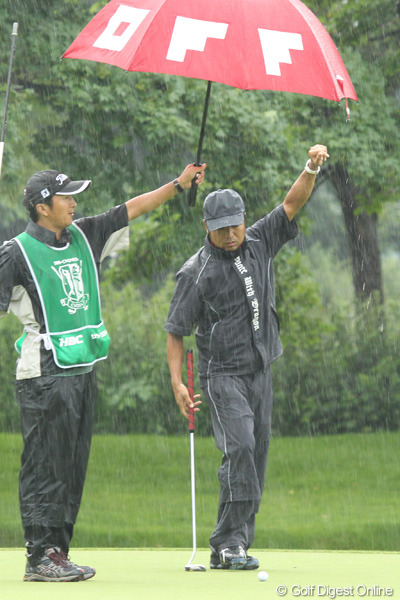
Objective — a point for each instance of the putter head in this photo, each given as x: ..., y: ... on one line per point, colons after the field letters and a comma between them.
x: 195, y: 568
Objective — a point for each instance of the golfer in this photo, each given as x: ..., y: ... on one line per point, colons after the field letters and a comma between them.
x: 49, y: 280
x: 227, y: 291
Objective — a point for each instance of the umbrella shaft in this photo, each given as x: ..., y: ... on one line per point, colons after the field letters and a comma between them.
x: 203, y: 123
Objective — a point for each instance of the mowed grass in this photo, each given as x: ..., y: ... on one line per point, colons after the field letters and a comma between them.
x: 149, y: 574
x: 332, y: 493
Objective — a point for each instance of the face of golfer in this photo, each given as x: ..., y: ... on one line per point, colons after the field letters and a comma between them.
x: 228, y: 238
x: 59, y: 215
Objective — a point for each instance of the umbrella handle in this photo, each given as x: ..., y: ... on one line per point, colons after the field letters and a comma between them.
x: 193, y: 189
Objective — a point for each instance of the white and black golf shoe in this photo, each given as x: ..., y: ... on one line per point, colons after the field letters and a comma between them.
x: 233, y: 559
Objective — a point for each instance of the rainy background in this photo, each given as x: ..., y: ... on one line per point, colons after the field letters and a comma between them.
x: 338, y: 283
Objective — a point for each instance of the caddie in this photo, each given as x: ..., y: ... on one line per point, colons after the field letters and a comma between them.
x: 227, y: 292
x: 49, y: 278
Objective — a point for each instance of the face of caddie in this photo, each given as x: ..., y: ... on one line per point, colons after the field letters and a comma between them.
x: 58, y: 216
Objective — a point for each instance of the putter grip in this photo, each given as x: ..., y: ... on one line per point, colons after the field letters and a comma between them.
x: 189, y: 368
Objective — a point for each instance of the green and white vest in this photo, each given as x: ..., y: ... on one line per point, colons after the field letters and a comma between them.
x: 67, y: 283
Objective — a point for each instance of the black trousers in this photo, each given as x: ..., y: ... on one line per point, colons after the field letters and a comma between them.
x: 57, y: 416
x: 241, y: 410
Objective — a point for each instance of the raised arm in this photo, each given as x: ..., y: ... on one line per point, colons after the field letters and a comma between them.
x: 175, y: 350
x: 301, y: 190
x: 147, y: 202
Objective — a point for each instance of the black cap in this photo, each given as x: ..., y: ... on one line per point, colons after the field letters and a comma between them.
x: 46, y: 184
x: 223, y: 208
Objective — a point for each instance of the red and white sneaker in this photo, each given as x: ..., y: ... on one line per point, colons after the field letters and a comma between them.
x: 53, y: 567
x: 88, y: 572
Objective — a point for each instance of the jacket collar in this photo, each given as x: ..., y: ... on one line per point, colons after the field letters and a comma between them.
x: 224, y: 254
x: 46, y: 236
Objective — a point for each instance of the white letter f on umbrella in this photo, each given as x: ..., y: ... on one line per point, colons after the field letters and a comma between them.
x: 192, y: 34
x: 276, y: 46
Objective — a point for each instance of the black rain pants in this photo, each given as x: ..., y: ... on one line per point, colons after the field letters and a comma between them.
x: 241, y: 410
x: 57, y: 416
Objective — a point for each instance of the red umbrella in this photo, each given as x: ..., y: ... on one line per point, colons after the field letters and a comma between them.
x: 249, y: 44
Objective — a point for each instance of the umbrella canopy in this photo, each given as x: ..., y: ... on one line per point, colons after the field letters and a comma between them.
x: 248, y: 44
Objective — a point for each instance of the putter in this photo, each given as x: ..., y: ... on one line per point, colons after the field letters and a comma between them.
x: 3, y: 130
x: 189, y: 365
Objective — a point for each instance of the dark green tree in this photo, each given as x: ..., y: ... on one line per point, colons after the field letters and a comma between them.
x: 364, y: 171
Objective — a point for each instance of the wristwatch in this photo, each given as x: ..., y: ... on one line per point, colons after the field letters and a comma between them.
x: 178, y: 185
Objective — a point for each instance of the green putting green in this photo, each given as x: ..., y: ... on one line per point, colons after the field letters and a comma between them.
x: 149, y: 574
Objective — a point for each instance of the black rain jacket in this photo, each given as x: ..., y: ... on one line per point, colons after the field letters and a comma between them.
x: 230, y: 298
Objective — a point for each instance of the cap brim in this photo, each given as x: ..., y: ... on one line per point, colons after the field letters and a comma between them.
x: 74, y: 187
x: 228, y: 221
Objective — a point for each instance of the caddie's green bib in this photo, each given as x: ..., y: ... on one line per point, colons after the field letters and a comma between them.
x: 67, y: 284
